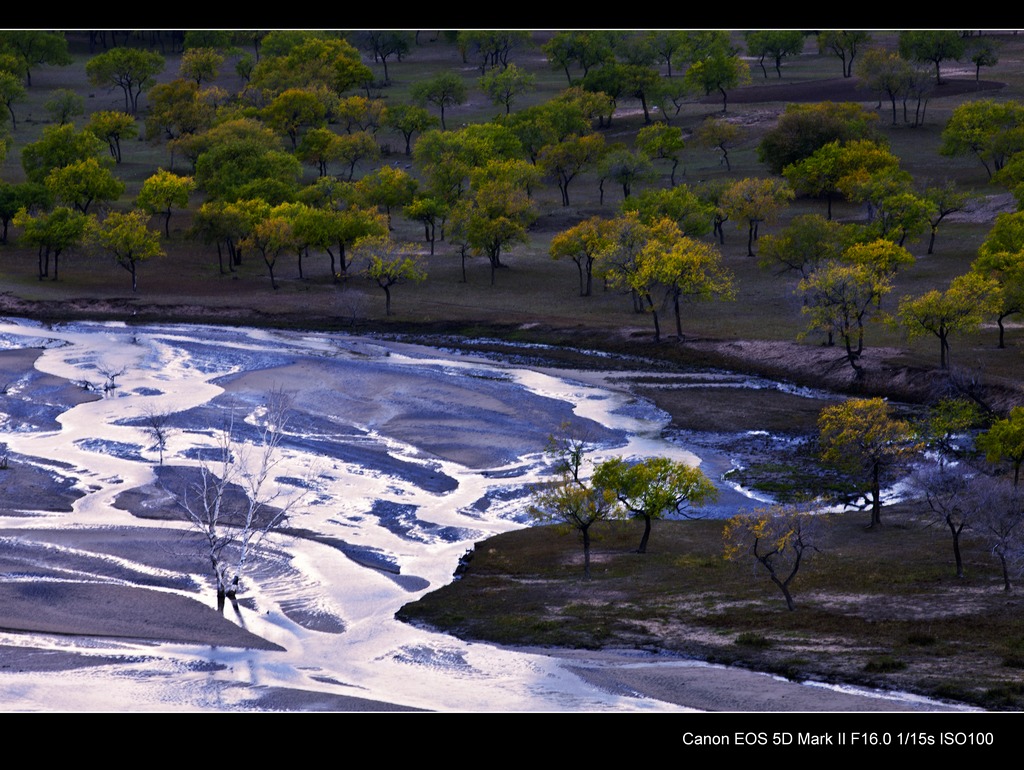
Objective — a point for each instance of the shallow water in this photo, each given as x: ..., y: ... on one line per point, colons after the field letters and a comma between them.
x: 404, y: 457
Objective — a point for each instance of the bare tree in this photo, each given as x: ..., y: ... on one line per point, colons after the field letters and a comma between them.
x: 1001, y: 525
x: 957, y: 497
x: 234, y: 503
x: 156, y: 425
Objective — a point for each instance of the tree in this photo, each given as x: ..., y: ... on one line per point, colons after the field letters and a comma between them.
x: 493, y: 218
x: 982, y: 51
x: 843, y: 43
x: 504, y: 86
x: 408, y: 119
x: 30, y: 196
x: 235, y: 503
x: 200, y: 63
x: 779, y: 538
x: 804, y: 128
x: 52, y: 233
x: 752, y: 201
x: 956, y: 498
x: 720, y: 71
x: 1005, y: 441
x: 11, y: 91
x: 625, y: 168
x: 830, y: 168
x: 112, y: 127
x: 385, y: 43
x: 443, y: 91
x: 127, y: 237
x: 840, y: 300
x: 961, y: 308
x: 82, y: 183
x: 352, y: 148
x: 687, y: 268
x: 931, y: 45
x: 581, y: 48
x: 58, y: 146
x: 133, y: 70
x: 681, y: 204
x: 774, y: 44
x: 1000, y: 525
x: 294, y: 109
x: 34, y: 47
x: 716, y: 134
x: 991, y: 131
x: 164, y: 191
x: 945, y: 200
x: 572, y: 501
x: 387, y: 187
x: 654, y: 488
x: 271, y: 235
x: 862, y: 436
x: 431, y: 212
x: 64, y: 105
x: 308, y: 59
x: 389, y: 264
x: 662, y: 142
x: 565, y: 159
x: 807, y: 242
x: 1001, y: 258
x: 583, y: 243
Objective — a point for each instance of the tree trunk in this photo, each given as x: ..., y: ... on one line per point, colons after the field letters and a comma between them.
x: 586, y: 553
x: 647, y: 535
x: 876, y: 494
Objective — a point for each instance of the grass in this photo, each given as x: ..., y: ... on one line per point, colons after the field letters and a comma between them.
x: 879, y: 608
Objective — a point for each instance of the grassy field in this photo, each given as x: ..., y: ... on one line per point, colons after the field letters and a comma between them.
x: 881, y: 607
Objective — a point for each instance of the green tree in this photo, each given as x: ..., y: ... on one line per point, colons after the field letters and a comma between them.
x: 293, y: 110
x: 582, y: 49
x: 133, y: 70
x: 271, y: 236
x: 862, y: 436
x: 808, y: 241
x: 12, y: 91
x: 431, y: 212
x: 843, y: 43
x: 82, y: 183
x: 654, y: 488
x: 829, y: 168
x: 774, y: 44
x: 388, y: 188
x: 932, y: 45
x: 1005, y: 441
x: 780, y: 539
x: 625, y: 168
x: 310, y: 60
x: 1001, y: 259
x: 64, y: 105
x: 493, y: 218
x: 804, y: 128
x: 572, y: 501
x: 200, y: 64
x: 662, y: 142
x: 839, y: 300
x: 385, y: 43
x: 752, y: 201
x: 52, y: 233
x: 945, y: 199
x: 569, y: 157
x: 583, y: 243
x: 682, y: 205
x: 389, y: 263
x: 687, y: 268
x: 14, y: 197
x: 961, y: 308
x: 982, y: 51
x: 720, y: 71
x: 408, y: 119
x: 442, y: 91
x: 717, y: 133
x: 991, y: 131
x: 35, y: 47
x: 504, y: 86
x: 356, y: 147
x: 164, y: 191
x: 127, y: 237
x: 112, y: 127
x: 58, y: 146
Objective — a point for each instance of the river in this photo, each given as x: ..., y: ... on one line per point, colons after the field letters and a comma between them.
x: 398, y: 459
